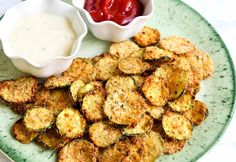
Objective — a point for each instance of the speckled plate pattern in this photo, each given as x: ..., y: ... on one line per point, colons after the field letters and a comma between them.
x: 172, y: 17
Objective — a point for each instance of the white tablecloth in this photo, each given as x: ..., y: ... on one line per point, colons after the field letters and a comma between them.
x: 222, y: 15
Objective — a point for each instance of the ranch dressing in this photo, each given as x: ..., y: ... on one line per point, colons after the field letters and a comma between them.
x: 42, y: 37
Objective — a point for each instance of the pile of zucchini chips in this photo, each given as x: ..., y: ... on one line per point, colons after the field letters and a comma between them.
x: 135, y: 102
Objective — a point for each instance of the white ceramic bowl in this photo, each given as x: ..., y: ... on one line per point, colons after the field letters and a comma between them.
x: 110, y: 31
x: 55, y: 65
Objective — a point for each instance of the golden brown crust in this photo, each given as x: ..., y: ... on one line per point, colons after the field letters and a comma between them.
x: 55, y: 100
x: 175, y: 44
x: 51, y: 139
x: 147, y: 36
x: 78, y: 151
x: 18, y: 91
x: 198, y: 113
x: 155, y: 91
x: 138, y: 80
x: 70, y: 123
x: 103, y: 134
x: 38, y: 118
x: 176, y: 126
x: 58, y: 82
x: 154, y: 111
x: 183, y: 103
x: 92, y: 106
x: 156, y: 53
x: 21, y: 108
x: 124, y: 108
x: 74, y: 88
x: 119, y: 84
x: 144, y: 125
x: 82, y: 69
x: 123, y: 49
x: 133, y: 65
x: 106, y: 66
x: 20, y: 132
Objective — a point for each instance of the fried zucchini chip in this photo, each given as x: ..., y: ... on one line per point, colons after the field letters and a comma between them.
x: 106, y: 66
x: 183, y: 103
x: 176, y: 126
x: 133, y: 65
x: 144, y: 125
x: 138, y: 80
x: 119, y: 83
x: 82, y: 69
x: 144, y: 148
x: 55, y: 100
x: 18, y: 91
x: 79, y: 151
x: 137, y: 54
x: 20, y: 132
x: 155, y: 53
x: 198, y: 113
x: 155, y: 111
x: 74, y: 89
x: 124, y: 108
x: 201, y: 64
x: 51, y: 139
x: 58, y: 82
x: 90, y: 87
x: 178, y: 45
x: 70, y: 123
x: 38, y: 118
x: 155, y: 91
x: 92, y: 106
x: 104, y: 134
x: 21, y: 108
x: 170, y: 145
x: 123, y: 49
x: 147, y: 36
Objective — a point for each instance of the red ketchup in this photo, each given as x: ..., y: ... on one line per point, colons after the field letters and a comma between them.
x: 120, y: 11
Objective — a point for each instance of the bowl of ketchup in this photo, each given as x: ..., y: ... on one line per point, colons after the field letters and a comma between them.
x: 115, y: 20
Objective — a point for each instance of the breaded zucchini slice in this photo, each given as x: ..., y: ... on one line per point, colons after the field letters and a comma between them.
x: 21, y: 108
x: 74, y: 88
x: 138, y: 80
x: 90, y: 87
x: 148, y: 146
x: 106, y: 66
x: 138, y: 53
x: 147, y: 36
x: 55, y: 100
x: 155, y: 111
x: 170, y: 145
x: 133, y: 65
x: 177, y: 126
x: 119, y: 83
x: 201, y: 64
x: 104, y: 134
x: 70, y: 123
x: 155, y: 91
x: 123, y: 49
x: 92, y: 106
x: 82, y: 69
x: 124, y: 108
x: 51, y: 139
x: 183, y: 103
x: 144, y: 125
x: 79, y: 151
x: 38, y: 118
x: 198, y: 113
x: 18, y: 91
x: 156, y: 53
x: 178, y: 45
x: 58, y: 82
x: 20, y: 132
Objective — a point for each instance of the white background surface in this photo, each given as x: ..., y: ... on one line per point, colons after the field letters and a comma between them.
x: 222, y: 15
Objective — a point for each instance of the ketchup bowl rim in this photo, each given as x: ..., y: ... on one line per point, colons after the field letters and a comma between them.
x: 90, y: 19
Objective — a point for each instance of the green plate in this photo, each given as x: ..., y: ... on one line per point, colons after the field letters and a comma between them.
x: 172, y: 17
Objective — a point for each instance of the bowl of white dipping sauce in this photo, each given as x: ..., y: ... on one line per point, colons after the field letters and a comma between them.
x: 42, y: 37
